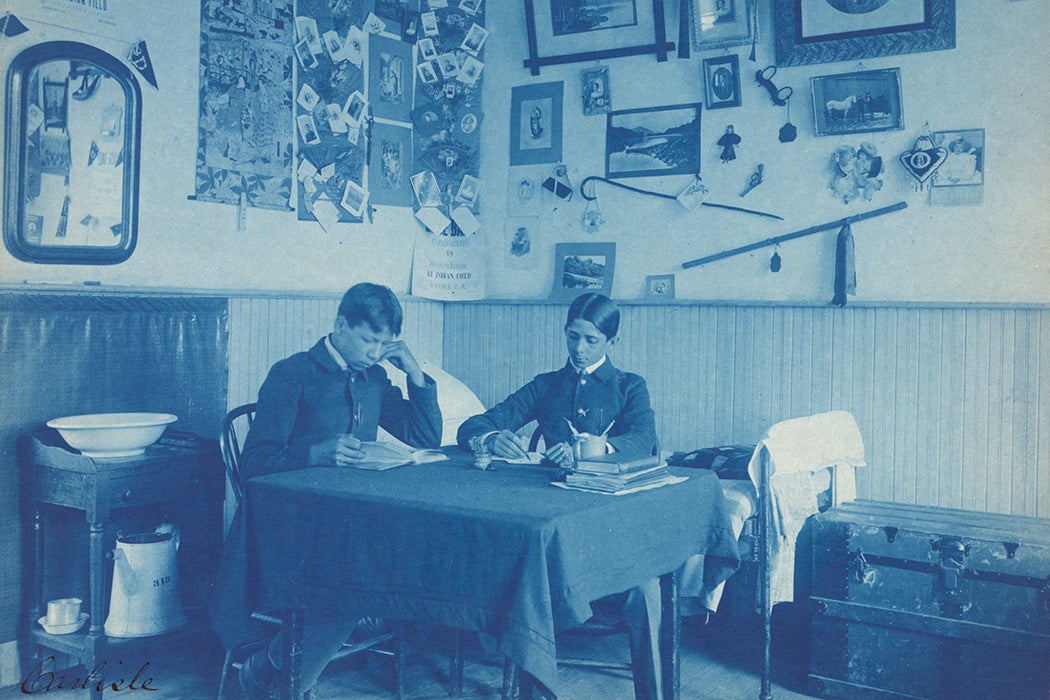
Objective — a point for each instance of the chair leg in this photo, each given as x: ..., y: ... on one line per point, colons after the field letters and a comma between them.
x: 399, y: 660
x: 455, y: 666
x: 226, y: 662
x: 291, y: 654
x: 509, y: 691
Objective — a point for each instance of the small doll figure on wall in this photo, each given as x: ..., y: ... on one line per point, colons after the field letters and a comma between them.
x: 856, y: 172
x: 729, y: 141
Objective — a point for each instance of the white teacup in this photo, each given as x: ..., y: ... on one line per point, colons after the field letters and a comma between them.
x: 585, y: 445
x: 63, y: 611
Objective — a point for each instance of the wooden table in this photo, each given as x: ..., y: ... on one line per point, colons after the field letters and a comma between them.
x: 502, y: 553
x: 165, y: 478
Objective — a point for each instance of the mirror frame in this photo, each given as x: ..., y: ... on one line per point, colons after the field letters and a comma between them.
x: 15, y: 147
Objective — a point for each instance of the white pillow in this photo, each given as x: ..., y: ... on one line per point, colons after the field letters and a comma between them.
x: 455, y: 398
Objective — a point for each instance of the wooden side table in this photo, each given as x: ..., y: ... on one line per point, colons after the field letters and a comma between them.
x: 178, y: 470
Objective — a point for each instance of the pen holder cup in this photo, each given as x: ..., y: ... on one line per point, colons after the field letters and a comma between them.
x: 585, y: 446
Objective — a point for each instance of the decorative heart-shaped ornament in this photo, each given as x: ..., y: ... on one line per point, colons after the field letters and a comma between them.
x: 924, y: 159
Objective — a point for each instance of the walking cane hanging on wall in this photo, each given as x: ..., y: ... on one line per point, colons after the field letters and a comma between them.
x: 845, y: 269
x: 924, y: 158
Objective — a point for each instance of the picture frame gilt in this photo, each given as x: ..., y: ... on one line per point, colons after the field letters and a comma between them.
x: 556, y: 35
x: 825, y: 31
x: 857, y: 103
x: 717, y: 24
x: 582, y: 267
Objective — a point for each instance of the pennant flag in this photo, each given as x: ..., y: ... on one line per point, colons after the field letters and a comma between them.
x: 138, y: 56
x: 11, y: 25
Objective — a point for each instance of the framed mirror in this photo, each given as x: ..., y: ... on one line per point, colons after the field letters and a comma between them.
x: 71, y: 156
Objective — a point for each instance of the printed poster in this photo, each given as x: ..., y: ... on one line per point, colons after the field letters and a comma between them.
x: 331, y: 112
x: 449, y: 257
x: 448, y: 267
x: 244, y: 146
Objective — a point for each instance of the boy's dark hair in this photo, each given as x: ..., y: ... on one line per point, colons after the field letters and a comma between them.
x: 599, y: 310
x: 373, y: 304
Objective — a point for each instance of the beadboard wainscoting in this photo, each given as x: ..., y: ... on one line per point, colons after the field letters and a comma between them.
x: 265, y: 329
x: 953, y: 402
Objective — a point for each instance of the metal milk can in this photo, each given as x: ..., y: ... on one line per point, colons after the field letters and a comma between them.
x: 145, y: 598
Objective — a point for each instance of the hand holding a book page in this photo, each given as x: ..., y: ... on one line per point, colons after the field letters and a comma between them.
x: 339, y: 451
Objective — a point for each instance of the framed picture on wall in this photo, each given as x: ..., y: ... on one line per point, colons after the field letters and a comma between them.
x: 824, y: 31
x: 653, y: 141
x: 582, y: 267
x: 960, y: 179
x: 659, y: 288
x: 535, y: 123
x: 855, y: 103
x: 722, y: 81
x: 570, y: 31
x: 714, y: 24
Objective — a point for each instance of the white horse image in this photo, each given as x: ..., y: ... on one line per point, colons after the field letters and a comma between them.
x: 843, y: 106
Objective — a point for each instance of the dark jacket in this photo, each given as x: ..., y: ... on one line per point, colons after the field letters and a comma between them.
x: 608, y: 394
x: 306, y: 398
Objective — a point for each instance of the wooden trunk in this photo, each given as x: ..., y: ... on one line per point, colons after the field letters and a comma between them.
x: 915, y: 601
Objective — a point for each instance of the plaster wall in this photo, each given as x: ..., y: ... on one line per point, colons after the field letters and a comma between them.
x: 994, y: 252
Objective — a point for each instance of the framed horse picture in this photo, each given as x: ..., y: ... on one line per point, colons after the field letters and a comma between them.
x: 856, y: 103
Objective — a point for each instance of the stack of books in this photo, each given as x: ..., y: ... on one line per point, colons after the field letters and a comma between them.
x: 615, y: 472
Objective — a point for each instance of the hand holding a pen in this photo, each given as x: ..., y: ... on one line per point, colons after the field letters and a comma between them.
x: 338, y: 451
x: 507, y: 445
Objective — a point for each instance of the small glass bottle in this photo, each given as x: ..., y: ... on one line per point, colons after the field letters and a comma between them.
x: 482, y: 457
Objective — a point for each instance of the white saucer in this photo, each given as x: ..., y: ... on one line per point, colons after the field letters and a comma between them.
x: 68, y: 628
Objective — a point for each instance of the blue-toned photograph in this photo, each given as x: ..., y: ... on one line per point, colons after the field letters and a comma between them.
x: 653, y: 141
x: 578, y: 16
x: 854, y: 103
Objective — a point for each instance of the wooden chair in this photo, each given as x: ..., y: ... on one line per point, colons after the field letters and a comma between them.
x: 235, y: 427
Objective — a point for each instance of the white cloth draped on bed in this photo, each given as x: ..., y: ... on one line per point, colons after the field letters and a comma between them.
x: 798, y: 452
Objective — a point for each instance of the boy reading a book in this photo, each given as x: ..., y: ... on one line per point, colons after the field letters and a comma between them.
x: 315, y: 409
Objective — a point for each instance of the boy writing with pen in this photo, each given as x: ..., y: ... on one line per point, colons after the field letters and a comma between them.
x: 586, y: 396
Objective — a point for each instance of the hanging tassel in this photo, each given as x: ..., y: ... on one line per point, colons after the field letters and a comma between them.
x: 845, y: 267
x: 754, y: 31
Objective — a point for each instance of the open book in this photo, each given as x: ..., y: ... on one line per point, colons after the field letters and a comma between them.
x: 387, y: 455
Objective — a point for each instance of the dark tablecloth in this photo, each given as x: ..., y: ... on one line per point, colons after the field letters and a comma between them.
x: 499, y: 552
